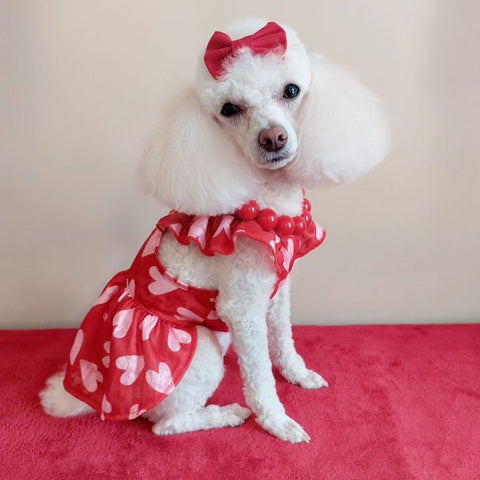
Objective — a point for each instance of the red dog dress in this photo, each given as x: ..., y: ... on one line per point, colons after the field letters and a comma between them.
x: 138, y: 339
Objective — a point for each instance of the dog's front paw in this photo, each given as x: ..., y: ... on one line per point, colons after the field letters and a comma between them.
x: 284, y: 428
x: 306, y: 379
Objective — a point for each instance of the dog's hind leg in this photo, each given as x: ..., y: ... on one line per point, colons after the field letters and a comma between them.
x: 184, y: 409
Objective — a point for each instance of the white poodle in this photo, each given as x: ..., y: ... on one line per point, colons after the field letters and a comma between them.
x: 263, y: 121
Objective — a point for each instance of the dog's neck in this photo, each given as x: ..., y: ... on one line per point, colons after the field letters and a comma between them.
x: 281, y: 196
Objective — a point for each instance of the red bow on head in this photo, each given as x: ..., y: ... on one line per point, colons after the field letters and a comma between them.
x: 221, y: 46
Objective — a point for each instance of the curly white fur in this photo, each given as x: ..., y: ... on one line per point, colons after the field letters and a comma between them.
x: 203, y: 163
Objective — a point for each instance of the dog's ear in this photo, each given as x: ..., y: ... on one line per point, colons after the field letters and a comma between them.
x: 343, y: 132
x: 191, y: 166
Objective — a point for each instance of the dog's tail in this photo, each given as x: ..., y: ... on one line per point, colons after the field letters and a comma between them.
x: 57, y: 402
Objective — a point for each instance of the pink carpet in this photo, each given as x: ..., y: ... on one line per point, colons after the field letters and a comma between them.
x: 403, y: 403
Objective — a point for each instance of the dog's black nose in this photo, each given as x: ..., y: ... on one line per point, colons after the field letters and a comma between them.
x: 273, y: 139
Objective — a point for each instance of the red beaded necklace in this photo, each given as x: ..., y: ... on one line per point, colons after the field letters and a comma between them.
x: 269, y: 220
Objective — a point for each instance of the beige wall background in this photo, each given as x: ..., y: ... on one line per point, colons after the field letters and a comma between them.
x: 81, y: 87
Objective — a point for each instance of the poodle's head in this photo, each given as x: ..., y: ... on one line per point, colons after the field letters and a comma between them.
x: 254, y: 97
x: 262, y: 108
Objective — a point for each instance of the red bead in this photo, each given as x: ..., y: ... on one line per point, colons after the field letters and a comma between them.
x: 248, y: 211
x: 307, y: 205
x: 300, y: 225
x: 267, y: 219
x: 307, y: 217
x: 285, y: 225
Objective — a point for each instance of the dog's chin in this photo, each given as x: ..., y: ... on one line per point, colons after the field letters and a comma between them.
x: 275, y: 162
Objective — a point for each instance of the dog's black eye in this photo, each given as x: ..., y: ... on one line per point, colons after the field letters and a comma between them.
x: 291, y: 91
x: 229, y: 109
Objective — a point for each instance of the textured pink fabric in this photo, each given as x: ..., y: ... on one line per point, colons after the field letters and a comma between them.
x: 139, y: 338
x: 403, y: 403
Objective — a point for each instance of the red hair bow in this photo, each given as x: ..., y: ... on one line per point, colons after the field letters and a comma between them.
x: 221, y: 46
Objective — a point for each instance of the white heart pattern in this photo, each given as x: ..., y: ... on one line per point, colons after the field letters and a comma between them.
x: 160, y: 285
x: 129, y: 290
x: 176, y: 227
x: 176, y: 337
x: 213, y: 315
x: 161, y: 381
x: 288, y: 255
x: 122, y: 322
x: 198, y: 229
x: 133, y: 366
x: 90, y: 375
x: 106, y: 295
x: 77, y: 344
x: 185, y: 314
x: 151, y: 244
x: 319, y: 232
x: 273, y: 244
x: 106, y: 405
x: 147, y: 325
x: 134, y: 411
x: 224, y: 226
x: 106, y: 359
